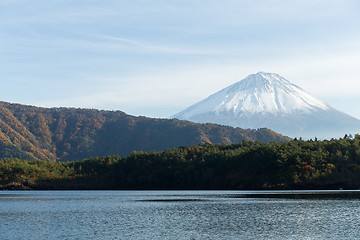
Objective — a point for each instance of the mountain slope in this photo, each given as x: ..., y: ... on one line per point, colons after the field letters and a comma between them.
x: 268, y: 100
x: 73, y: 134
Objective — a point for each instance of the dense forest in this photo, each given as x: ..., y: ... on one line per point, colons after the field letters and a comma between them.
x: 69, y: 134
x: 297, y: 164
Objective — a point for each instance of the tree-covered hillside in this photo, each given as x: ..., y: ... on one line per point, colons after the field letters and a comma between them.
x: 63, y: 134
x: 296, y: 164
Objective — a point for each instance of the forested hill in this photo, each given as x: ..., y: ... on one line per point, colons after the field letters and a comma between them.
x: 328, y: 164
x: 66, y: 134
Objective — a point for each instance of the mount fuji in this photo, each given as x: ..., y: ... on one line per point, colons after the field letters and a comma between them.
x: 269, y: 100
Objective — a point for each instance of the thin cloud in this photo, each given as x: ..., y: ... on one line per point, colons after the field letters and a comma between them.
x: 170, y: 54
x: 164, y: 49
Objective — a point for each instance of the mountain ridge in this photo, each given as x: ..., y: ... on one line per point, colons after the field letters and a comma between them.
x: 64, y: 134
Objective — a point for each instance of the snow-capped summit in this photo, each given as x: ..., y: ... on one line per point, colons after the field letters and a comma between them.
x: 258, y: 93
x: 269, y: 100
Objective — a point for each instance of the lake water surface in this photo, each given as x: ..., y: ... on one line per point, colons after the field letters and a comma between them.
x: 179, y: 215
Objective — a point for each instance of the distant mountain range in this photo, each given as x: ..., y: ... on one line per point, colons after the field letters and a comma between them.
x: 63, y: 134
x: 269, y: 100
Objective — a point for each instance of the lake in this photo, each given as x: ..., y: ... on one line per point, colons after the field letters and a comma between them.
x: 180, y: 215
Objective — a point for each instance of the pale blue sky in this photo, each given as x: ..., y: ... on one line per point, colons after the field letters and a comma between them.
x: 155, y: 58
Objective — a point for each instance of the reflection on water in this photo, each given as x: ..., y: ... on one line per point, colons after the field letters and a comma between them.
x: 317, y: 194
x: 179, y: 215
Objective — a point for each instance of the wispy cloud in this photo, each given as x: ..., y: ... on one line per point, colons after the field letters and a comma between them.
x: 136, y: 55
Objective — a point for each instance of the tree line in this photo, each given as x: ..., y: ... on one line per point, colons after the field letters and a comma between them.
x: 297, y: 164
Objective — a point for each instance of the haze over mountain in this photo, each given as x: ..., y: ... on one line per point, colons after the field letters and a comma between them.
x: 269, y: 100
x: 63, y: 134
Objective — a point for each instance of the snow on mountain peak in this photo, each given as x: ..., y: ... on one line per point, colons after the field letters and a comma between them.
x: 258, y: 93
x: 269, y: 100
